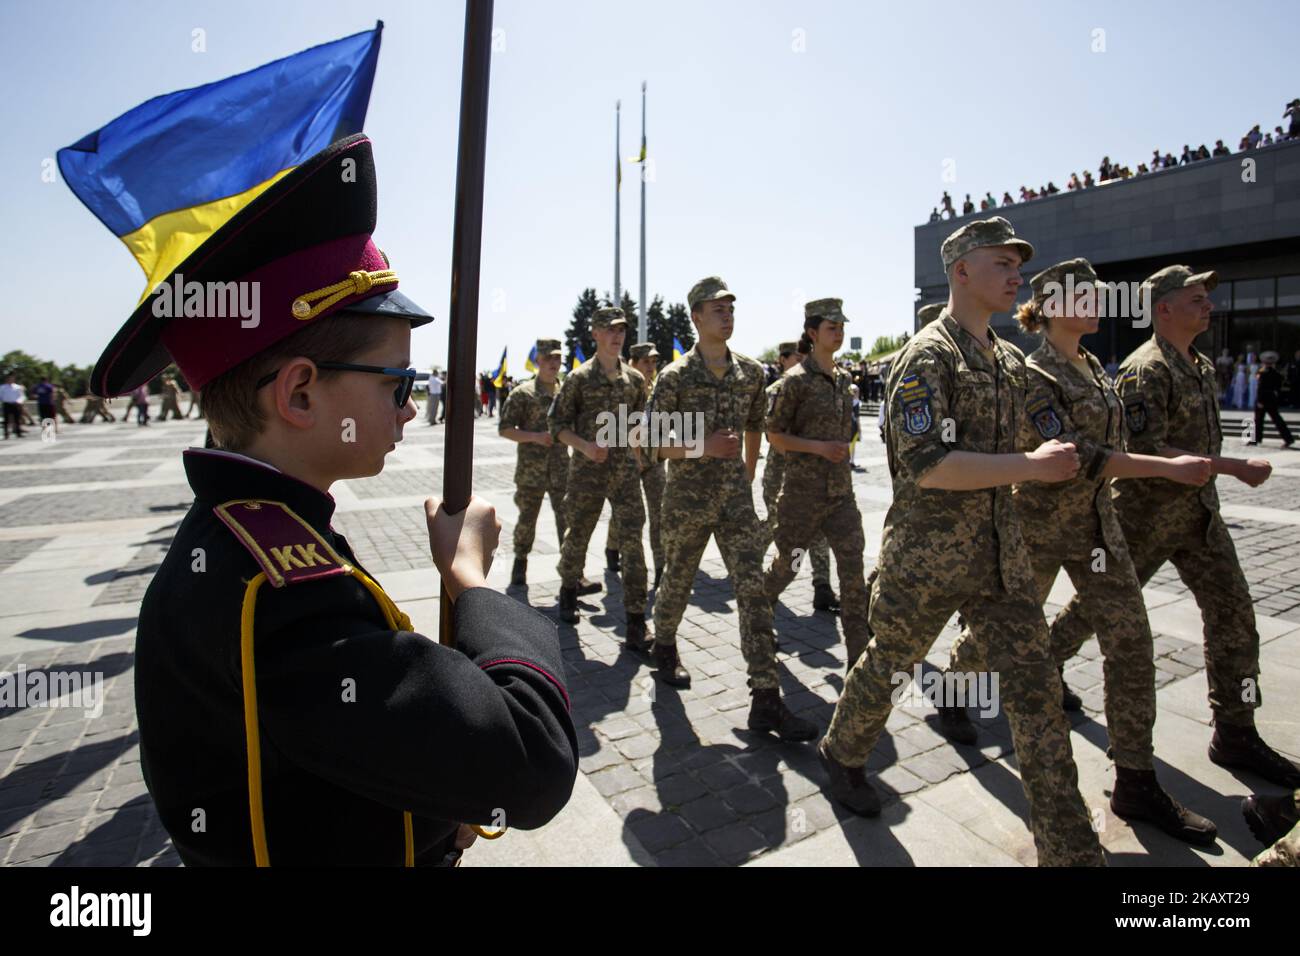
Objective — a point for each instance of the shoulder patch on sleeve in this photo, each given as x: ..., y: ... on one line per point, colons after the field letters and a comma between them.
x: 914, y: 396
x: 1045, y: 419
x: 1135, y: 415
x: 286, y: 547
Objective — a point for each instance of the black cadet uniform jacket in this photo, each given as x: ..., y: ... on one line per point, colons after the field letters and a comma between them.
x: 368, y: 743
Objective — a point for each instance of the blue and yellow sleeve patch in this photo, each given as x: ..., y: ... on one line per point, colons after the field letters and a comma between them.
x: 914, y: 398
x: 1044, y: 417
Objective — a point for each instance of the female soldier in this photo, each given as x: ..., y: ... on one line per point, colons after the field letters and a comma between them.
x: 1073, y: 524
x: 810, y: 419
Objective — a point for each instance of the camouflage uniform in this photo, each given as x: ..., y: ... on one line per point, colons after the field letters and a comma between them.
x: 652, y: 483
x: 585, y: 393
x: 944, y: 551
x: 713, y: 496
x: 1286, y: 850
x: 1072, y: 524
x: 171, y: 395
x: 539, y: 470
x: 819, y: 553
x: 818, y: 495
x: 1169, y: 402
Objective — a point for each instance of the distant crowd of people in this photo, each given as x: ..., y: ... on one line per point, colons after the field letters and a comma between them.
x: 1108, y: 171
x: 51, y: 400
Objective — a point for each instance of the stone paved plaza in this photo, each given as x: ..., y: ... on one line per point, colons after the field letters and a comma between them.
x: 668, y: 777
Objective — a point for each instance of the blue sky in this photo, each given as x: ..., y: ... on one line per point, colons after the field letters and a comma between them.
x: 794, y: 174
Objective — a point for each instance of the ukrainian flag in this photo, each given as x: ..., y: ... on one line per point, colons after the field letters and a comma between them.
x: 578, y: 357
x: 530, y: 363
x: 677, y: 349
x: 499, y: 376
x: 167, y: 174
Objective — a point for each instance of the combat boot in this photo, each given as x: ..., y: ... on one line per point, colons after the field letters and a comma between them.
x: 849, y: 785
x: 611, y: 560
x: 589, y: 587
x: 668, y: 666
x: 1139, y: 796
x: 638, y: 642
x: 824, y: 599
x: 1241, y: 747
x: 768, y: 712
x: 659, y: 573
x: 569, y: 605
x: 1069, y: 699
x: 519, y: 574
x: 954, y: 723
x: 1270, y: 818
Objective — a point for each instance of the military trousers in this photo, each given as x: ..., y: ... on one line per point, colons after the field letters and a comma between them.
x: 529, y: 502
x: 588, y: 490
x: 906, y: 618
x: 652, y: 483
x: 1108, y: 590
x: 819, y: 552
x: 1200, y: 547
x: 690, y: 517
x: 800, y: 517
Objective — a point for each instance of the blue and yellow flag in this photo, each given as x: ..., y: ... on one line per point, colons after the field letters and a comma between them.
x: 677, y: 349
x: 167, y: 174
x: 530, y: 363
x: 499, y: 376
x: 578, y: 357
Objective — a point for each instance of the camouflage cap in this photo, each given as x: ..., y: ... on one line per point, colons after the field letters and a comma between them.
x: 787, y: 347
x: 1081, y: 269
x: 706, y: 290
x: 608, y: 317
x: 928, y: 313
x: 994, y: 231
x: 644, y: 350
x: 819, y: 309
x: 548, y: 347
x: 1172, y: 278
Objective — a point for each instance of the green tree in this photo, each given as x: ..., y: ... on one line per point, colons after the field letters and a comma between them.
x: 578, y: 334
x: 677, y: 323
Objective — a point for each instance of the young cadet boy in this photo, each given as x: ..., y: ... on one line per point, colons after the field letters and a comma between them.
x: 288, y: 712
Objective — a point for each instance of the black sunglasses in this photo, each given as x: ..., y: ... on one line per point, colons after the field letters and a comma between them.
x: 401, y: 394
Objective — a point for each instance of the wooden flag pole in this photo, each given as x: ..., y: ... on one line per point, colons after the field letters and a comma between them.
x: 462, y: 348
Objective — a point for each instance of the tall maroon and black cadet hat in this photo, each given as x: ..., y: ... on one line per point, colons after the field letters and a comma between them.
x: 306, y: 244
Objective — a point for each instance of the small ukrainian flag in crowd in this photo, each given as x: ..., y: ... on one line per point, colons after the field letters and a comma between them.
x: 499, y: 376
x: 677, y: 349
x: 578, y: 357
x: 169, y: 173
x: 530, y: 363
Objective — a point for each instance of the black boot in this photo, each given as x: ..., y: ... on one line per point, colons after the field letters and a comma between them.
x: 1069, y: 699
x: 638, y: 641
x: 824, y: 599
x: 1139, y: 796
x: 668, y: 666
x: 589, y: 587
x: 519, y: 574
x: 768, y: 712
x: 569, y: 605
x: 954, y: 723
x: 1241, y: 747
x: 849, y: 785
x: 1270, y: 818
x: 659, y: 573
x: 611, y: 560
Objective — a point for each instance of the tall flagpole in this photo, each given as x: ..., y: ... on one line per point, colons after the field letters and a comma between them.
x: 644, y: 332
x: 466, y: 245
x: 618, y: 198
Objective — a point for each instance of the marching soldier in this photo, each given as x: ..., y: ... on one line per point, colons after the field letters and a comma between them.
x: 719, y: 394
x: 61, y: 405
x: 1073, y: 525
x: 588, y: 404
x: 952, y: 542
x: 645, y: 359
x: 824, y: 597
x: 288, y: 711
x: 1171, y: 408
x: 1275, y: 821
x: 96, y: 406
x: 810, y: 420
x: 542, y: 463
x: 171, y: 396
